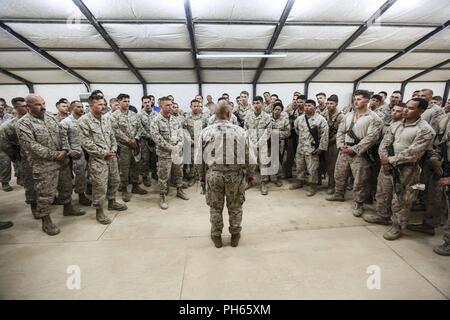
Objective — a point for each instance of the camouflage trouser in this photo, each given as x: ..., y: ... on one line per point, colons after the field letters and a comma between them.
x: 307, y: 163
x: 401, y: 204
x: 5, y: 168
x: 47, y: 184
x: 221, y: 185
x: 358, y: 166
x: 79, y: 168
x: 330, y: 160
x: 105, y: 180
x: 447, y: 231
x: 148, y: 158
x: 436, y: 202
x: 166, y: 168
x: 128, y: 167
x: 385, y: 190
x: 28, y: 182
x: 191, y: 171
x: 373, y: 172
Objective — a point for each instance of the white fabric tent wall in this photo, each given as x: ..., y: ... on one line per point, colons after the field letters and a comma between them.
x: 8, y: 92
x: 52, y: 93
x: 283, y: 90
x: 437, y: 87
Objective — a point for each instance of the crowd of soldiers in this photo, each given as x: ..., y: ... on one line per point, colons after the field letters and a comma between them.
x: 391, y: 154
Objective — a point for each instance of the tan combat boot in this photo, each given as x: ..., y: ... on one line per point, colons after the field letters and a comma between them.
x: 163, y: 202
x: 70, y: 210
x: 336, y: 197
x: 181, y: 194
x: 264, y: 190
x: 101, y: 217
x: 393, y: 232
x: 312, y: 189
x: 297, y: 185
x: 114, y: 205
x: 48, y: 227
x: 137, y: 189
x: 235, y: 239
x: 83, y: 200
x: 217, y: 240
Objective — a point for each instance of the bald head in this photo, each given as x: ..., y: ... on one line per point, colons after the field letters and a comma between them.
x: 36, y: 105
x: 223, y: 110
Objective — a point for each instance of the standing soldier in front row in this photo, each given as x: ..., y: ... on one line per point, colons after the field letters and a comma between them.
x: 40, y: 137
x: 280, y: 125
x: 168, y: 136
x: 71, y: 141
x: 225, y: 171
x: 402, y: 146
x: 312, y: 130
x: 334, y: 119
x: 128, y: 131
x: 148, y: 157
x: 357, y: 133
x: 98, y: 140
x: 259, y: 128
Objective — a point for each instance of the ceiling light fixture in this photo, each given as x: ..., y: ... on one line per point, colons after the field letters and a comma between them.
x: 239, y: 56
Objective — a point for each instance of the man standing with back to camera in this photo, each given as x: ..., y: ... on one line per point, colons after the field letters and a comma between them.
x: 225, y: 162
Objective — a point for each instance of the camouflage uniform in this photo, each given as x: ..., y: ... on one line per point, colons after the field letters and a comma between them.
x: 225, y: 177
x: 291, y: 142
x: 71, y: 141
x: 210, y: 108
x: 41, y: 139
x: 5, y: 161
x: 240, y: 112
x: 97, y: 138
x: 367, y: 128
x: 167, y: 133
x: 384, y: 112
x: 410, y: 142
x: 267, y: 107
x: 193, y: 125
x: 233, y: 119
x: 9, y: 143
x: 304, y: 159
x: 126, y: 126
x: 259, y: 130
x: 148, y: 155
x: 333, y: 121
x: 282, y: 126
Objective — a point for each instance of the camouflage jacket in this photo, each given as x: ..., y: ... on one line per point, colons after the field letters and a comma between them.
x: 282, y: 126
x: 433, y: 115
x: 9, y: 141
x: 146, y: 119
x: 367, y: 129
x: 70, y: 134
x: 219, y: 136
x: 96, y: 136
x: 410, y: 141
x: 40, y: 139
x: 194, y: 124
x: 306, y: 142
x: 126, y: 126
x: 166, y: 133
x: 258, y: 126
x: 333, y: 121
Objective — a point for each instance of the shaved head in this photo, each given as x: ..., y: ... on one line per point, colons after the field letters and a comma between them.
x: 223, y: 110
x: 36, y: 105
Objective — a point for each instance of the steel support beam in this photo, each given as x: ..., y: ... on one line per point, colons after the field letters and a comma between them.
x: 273, y: 40
x: 445, y: 95
x: 405, y: 51
x: 353, y: 37
x: 31, y: 46
x: 93, y: 21
x: 190, y: 27
x: 26, y: 82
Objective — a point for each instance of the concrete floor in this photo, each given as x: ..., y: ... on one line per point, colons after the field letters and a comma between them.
x: 292, y: 247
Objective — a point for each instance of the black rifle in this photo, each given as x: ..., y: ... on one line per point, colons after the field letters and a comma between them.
x: 371, y: 154
x: 398, y: 187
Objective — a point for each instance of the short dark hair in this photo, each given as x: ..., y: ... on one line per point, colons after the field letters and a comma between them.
x: 377, y: 97
x: 423, y: 104
x: 244, y: 92
x: 163, y: 99
x: 278, y: 104
x: 258, y: 98
x: 333, y: 98
x: 96, y: 92
x: 225, y: 94
x: 122, y: 96
x: 438, y: 98
x: 95, y: 97
x: 398, y: 91
x: 62, y: 100
x: 151, y: 96
x: 274, y: 95
x: 321, y: 94
x: 266, y: 92
x: 15, y: 100
x: 221, y: 98
x: 363, y: 93
x: 73, y: 102
x: 145, y: 97
x: 194, y: 101
x: 302, y: 97
x: 311, y: 101
x: 383, y: 92
x: 401, y: 104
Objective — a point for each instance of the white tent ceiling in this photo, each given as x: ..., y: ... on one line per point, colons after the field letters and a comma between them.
x: 142, y: 41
